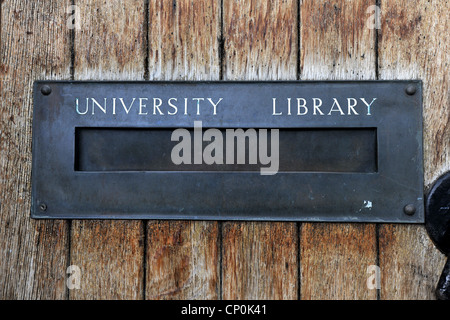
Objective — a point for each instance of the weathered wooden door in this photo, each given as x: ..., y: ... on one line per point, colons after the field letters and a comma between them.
x: 215, y: 40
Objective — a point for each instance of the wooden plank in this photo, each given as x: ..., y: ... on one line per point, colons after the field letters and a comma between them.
x: 183, y: 259
x: 184, y: 40
x: 110, y: 45
x: 260, y: 40
x: 334, y: 260
x: 336, y: 45
x: 260, y: 260
x: 414, y: 43
x: 34, y: 45
x: 335, y: 41
x: 260, y: 43
x: 110, y: 256
x: 410, y: 265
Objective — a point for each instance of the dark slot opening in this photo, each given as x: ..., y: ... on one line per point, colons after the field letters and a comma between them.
x: 300, y: 150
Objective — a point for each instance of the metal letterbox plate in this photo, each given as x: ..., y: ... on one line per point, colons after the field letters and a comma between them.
x: 307, y: 151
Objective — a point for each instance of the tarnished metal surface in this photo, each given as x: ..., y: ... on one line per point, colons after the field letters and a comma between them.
x: 343, y: 163
x: 307, y: 150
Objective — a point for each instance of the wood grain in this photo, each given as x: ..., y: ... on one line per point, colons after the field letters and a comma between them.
x: 260, y: 43
x: 111, y: 42
x: 336, y: 45
x: 414, y: 43
x: 410, y: 264
x: 183, y: 260
x: 110, y: 256
x: 260, y: 260
x: 183, y: 257
x: 34, y: 45
x: 184, y: 40
x: 334, y: 260
x: 260, y: 40
x: 335, y: 41
x: 109, y: 46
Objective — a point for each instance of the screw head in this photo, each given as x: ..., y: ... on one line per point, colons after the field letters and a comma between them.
x: 411, y: 89
x: 409, y: 209
x: 46, y: 90
x: 42, y: 207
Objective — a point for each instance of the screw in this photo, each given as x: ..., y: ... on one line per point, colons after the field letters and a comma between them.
x: 46, y: 90
x: 409, y: 209
x: 411, y: 89
x: 43, y: 207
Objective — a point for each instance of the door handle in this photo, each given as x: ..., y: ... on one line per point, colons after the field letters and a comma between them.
x: 437, y: 223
